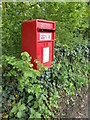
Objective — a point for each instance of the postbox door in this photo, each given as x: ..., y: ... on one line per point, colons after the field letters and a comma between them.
x: 44, y: 53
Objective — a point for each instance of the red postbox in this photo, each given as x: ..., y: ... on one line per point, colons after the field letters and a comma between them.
x: 38, y: 38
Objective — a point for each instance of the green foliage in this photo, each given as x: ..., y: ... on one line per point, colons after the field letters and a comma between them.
x: 27, y: 94
x: 72, y: 67
x: 71, y: 22
x: 30, y: 93
x: 20, y: 107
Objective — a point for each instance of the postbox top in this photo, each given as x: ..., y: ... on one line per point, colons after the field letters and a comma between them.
x: 42, y: 24
x: 40, y: 20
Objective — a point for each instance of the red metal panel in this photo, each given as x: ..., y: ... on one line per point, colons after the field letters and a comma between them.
x: 40, y: 48
x: 38, y: 40
x: 29, y: 39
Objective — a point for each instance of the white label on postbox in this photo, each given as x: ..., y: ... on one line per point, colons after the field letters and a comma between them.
x: 45, y: 36
x: 45, y: 54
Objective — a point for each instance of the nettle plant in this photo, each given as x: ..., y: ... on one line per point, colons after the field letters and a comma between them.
x: 27, y: 93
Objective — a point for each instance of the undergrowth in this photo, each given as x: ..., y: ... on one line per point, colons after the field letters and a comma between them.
x: 29, y: 93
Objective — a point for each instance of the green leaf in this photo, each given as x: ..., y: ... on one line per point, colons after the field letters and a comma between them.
x: 22, y: 107
x: 19, y: 104
x: 25, y: 54
x: 14, y: 109
x: 59, y: 66
x: 30, y: 98
x: 19, y: 114
x: 38, y: 115
x: 46, y: 68
x: 29, y: 90
x: 36, y: 104
x: 33, y: 111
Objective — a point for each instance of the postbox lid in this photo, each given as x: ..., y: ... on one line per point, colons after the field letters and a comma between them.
x: 43, y: 24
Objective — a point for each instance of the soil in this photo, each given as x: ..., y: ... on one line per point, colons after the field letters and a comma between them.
x: 74, y: 107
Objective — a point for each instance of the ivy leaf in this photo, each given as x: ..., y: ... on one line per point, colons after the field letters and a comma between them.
x: 14, y: 109
x: 29, y: 90
x: 19, y: 114
x: 33, y: 111
x: 30, y: 98
x: 22, y: 107
x: 35, y: 104
x: 38, y: 115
